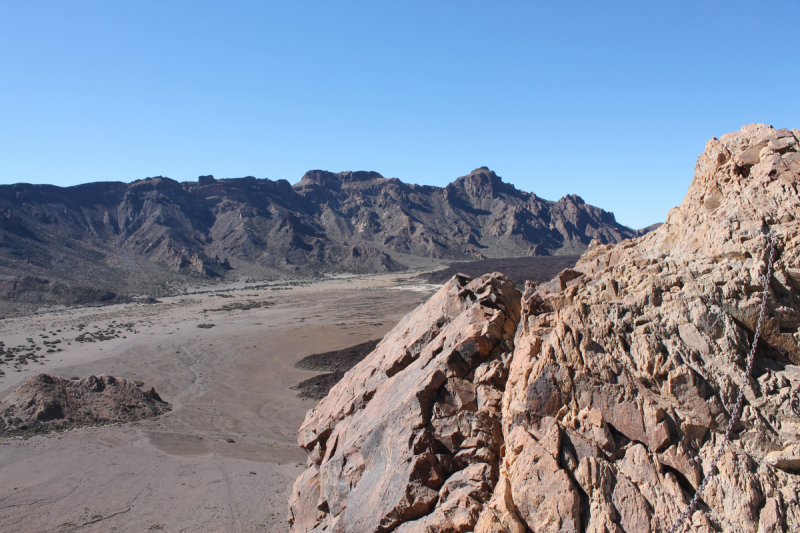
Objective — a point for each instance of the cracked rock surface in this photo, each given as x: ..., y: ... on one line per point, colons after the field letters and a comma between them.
x: 411, y: 436
x: 600, y: 409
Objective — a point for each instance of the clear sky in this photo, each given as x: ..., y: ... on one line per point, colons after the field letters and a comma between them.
x: 613, y: 101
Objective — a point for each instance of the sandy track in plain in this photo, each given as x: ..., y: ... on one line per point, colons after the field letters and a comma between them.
x: 225, y: 458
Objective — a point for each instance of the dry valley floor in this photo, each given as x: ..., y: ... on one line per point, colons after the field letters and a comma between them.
x: 225, y: 457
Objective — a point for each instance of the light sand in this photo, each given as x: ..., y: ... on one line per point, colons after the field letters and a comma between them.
x: 181, y: 472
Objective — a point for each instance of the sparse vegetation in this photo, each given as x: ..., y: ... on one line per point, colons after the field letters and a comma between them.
x: 111, y: 331
x: 239, y: 306
x: 23, y: 354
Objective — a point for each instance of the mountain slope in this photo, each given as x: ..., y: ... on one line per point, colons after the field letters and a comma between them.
x: 122, y: 237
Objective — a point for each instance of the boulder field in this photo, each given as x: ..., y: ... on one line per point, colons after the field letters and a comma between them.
x: 593, y: 402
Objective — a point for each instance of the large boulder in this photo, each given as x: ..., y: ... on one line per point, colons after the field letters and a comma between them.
x: 412, y: 433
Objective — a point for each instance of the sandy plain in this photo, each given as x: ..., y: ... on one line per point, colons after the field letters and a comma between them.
x: 225, y: 458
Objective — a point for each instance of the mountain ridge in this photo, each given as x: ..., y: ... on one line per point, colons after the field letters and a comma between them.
x: 126, y: 238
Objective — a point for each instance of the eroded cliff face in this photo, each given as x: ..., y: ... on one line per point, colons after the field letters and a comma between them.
x: 605, y: 409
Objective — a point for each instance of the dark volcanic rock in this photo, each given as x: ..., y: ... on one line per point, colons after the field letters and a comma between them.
x: 124, y: 238
x: 317, y: 387
x: 336, y: 363
x: 43, y: 403
x: 337, y: 360
x: 28, y: 289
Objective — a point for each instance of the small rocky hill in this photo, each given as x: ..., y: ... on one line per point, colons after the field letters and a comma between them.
x: 99, y: 241
x: 44, y: 403
x: 595, y: 401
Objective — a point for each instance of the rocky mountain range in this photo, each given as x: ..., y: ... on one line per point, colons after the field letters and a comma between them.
x: 96, y: 241
x: 593, y: 402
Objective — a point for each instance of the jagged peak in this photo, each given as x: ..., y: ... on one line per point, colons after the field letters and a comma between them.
x: 334, y: 180
x: 483, y: 182
x: 155, y: 182
x: 738, y: 182
x: 571, y: 198
x: 482, y: 173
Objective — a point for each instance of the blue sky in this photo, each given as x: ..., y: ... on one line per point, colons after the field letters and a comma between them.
x: 613, y: 101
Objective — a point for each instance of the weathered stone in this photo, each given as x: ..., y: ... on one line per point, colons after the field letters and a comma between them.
x: 787, y: 459
x: 618, y: 391
x: 653, y: 337
x: 402, y: 438
x: 544, y: 495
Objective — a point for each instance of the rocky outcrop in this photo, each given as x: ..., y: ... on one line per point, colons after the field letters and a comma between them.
x: 130, y: 237
x: 44, y: 403
x: 617, y: 391
x: 44, y: 291
x: 411, y: 436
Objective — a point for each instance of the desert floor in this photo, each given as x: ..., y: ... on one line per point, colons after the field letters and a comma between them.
x: 225, y: 457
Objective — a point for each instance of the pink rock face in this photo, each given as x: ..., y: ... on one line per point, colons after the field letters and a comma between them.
x: 412, y: 433
x: 633, y: 359
x: 600, y: 410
